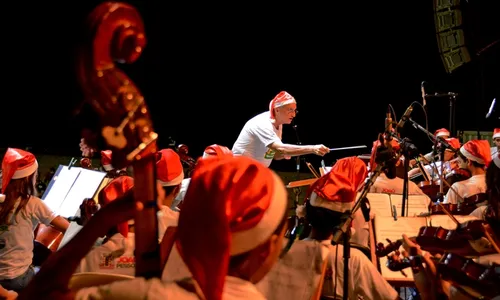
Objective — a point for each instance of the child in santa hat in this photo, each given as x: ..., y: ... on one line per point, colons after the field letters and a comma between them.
x: 20, y: 213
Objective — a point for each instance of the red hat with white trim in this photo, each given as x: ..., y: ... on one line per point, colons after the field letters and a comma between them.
x: 106, y: 160
x: 169, y: 171
x: 282, y: 99
x: 442, y: 132
x: 17, y: 164
x: 217, y: 150
x: 337, y: 189
x: 232, y: 206
x: 478, y: 151
x: 496, y: 133
x: 116, y: 188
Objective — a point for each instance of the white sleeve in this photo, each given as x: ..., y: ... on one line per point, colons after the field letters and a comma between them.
x: 137, y: 288
x: 42, y: 212
x: 265, y: 134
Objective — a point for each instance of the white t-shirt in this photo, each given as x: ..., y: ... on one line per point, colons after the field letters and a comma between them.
x: 182, y: 193
x: 116, y: 256
x: 383, y: 184
x: 166, y: 218
x: 16, y: 239
x: 152, y: 289
x: 364, y: 279
x: 466, y: 188
x: 258, y: 133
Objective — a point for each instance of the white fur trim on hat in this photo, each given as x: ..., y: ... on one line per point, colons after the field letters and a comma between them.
x: 247, y: 240
x: 470, y: 156
x: 177, y: 180
x: 27, y: 171
x: 107, y: 167
x: 280, y: 104
x: 2, y: 198
x: 496, y: 160
x: 338, y: 206
x: 496, y: 135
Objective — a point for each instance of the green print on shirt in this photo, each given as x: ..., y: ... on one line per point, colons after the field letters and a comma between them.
x: 269, y: 154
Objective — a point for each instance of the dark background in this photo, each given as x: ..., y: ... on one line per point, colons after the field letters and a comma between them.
x: 208, y: 68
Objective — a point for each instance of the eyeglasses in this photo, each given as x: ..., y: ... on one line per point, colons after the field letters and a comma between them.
x: 290, y: 110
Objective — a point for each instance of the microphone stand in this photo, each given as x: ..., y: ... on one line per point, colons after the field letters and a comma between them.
x: 443, y: 146
x: 297, y: 190
x: 343, y: 233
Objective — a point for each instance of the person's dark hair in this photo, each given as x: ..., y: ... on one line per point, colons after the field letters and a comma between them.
x: 323, y: 219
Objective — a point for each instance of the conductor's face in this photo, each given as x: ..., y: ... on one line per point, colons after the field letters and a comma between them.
x: 285, y: 114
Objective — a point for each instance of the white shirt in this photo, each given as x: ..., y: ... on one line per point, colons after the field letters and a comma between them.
x: 258, y: 133
x: 16, y: 239
x: 166, y: 217
x: 383, y: 184
x: 152, y: 289
x: 479, y: 212
x: 290, y: 278
x: 182, y: 193
x: 116, y: 256
x: 466, y: 188
x: 364, y: 279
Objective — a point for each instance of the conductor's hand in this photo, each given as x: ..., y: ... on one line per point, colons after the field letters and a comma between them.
x: 321, y: 150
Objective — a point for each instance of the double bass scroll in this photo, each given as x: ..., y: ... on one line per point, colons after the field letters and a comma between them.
x: 117, y: 35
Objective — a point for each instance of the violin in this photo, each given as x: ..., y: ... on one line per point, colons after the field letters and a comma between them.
x: 437, y: 240
x: 466, y: 207
x: 456, y: 269
x: 463, y: 271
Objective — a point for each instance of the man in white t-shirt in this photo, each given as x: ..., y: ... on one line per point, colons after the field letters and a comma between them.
x: 260, y: 138
x: 476, y: 155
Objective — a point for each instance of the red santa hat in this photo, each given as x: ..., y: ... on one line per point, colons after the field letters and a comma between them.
x: 232, y: 206
x: 496, y: 133
x: 442, y: 132
x: 115, y: 189
x: 282, y: 99
x: 454, y: 142
x: 477, y: 150
x: 217, y: 150
x: 337, y: 189
x: 17, y: 164
x: 496, y: 160
x: 169, y: 171
x: 106, y: 160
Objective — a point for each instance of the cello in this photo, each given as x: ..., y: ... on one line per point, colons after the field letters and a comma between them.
x: 116, y: 33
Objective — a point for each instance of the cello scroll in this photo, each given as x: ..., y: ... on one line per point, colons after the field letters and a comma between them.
x: 117, y: 35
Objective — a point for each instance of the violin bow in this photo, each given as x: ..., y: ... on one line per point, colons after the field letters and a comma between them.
x: 441, y: 177
x: 452, y: 217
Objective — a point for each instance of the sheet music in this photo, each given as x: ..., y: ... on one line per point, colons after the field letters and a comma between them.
x: 85, y: 186
x: 380, y: 204
x: 72, y: 230
x: 417, y: 204
x: 388, y: 228
x: 60, y: 186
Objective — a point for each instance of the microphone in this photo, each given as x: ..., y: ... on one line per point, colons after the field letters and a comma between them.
x: 422, y: 89
x: 388, y: 125
x: 405, y: 117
